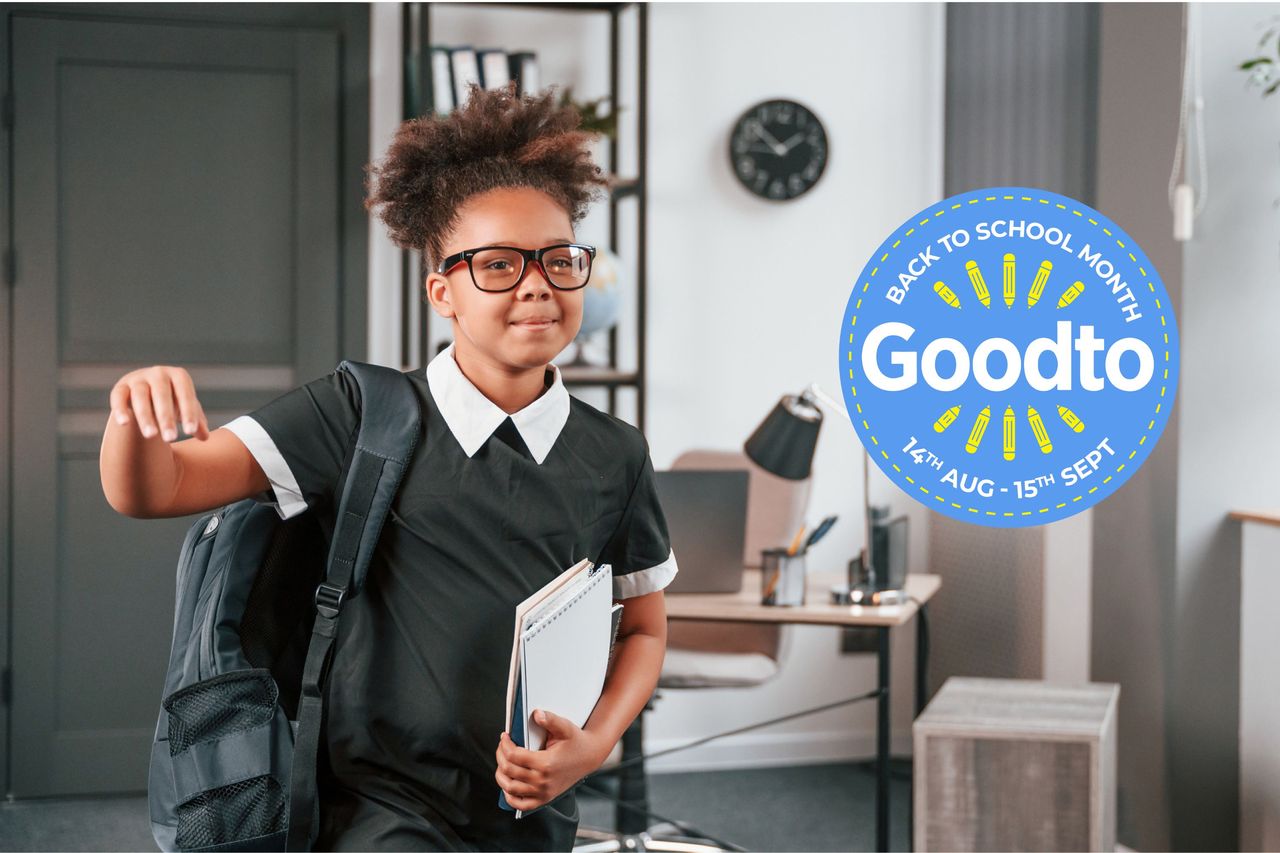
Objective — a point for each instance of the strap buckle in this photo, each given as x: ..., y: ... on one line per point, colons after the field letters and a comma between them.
x: 328, y: 600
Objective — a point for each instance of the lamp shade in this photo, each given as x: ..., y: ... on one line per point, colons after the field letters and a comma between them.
x: 784, y: 442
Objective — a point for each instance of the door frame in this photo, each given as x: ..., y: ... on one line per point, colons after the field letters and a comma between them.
x: 350, y: 21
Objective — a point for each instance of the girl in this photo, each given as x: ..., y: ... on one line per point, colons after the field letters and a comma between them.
x: 515, y: 482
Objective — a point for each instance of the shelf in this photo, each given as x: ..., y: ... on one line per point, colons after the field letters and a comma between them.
x: 599, y: 376
x: 546, y: 7
x: 622, y: 187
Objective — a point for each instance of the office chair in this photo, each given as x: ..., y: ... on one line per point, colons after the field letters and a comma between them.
x: 706, y: 655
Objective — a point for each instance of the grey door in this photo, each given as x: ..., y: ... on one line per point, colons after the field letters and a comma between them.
x: 176, y: 193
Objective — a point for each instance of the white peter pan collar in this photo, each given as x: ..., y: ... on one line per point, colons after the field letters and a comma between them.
x: 472, y: 417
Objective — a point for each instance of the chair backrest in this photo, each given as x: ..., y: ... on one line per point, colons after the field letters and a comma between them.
x: 775, y: 510
x: 775, y: 506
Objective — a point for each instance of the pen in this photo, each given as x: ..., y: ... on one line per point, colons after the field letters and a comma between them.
x: 773, y: 581
x: 819, y: 532
x: 795, y: 543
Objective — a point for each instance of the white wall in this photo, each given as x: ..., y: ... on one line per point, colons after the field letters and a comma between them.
x: 737, y: 318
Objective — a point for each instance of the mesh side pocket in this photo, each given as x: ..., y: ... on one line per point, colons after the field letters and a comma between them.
x: 236, y: 812
x: 219, y: 706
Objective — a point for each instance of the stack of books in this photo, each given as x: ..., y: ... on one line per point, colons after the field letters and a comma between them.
x: 453, y: 69
x: 560, y: 653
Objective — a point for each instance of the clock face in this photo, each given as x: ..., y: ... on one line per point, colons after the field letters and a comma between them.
x: 778, y: 149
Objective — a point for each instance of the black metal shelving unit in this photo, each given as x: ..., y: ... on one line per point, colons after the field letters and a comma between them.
x: 418, y: 86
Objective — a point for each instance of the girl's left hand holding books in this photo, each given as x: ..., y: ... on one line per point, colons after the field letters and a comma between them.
x: 532, y: 779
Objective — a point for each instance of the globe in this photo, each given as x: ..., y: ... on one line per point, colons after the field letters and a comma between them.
x: 602, y: 297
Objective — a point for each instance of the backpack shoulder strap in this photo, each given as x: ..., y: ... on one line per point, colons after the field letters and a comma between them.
x: 390, y: 423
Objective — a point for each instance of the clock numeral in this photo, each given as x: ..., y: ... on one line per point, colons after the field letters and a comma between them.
x: 746, y: 167
x: 762, y: 178
x: 803, y: 120
x: 796, y: 184
x: 815, y: 136
x: 776, y: 190
x: 811, y: 171
x: 785, y: 114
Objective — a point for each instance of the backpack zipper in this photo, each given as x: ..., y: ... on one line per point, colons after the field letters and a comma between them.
x: 204, y: 662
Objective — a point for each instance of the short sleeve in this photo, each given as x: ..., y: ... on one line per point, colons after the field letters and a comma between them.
x: 301, y: 440
x: 640, y: 551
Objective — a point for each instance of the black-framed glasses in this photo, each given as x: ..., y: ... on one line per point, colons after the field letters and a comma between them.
x: 494, y: 269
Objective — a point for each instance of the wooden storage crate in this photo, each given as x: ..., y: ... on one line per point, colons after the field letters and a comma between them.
x: 1003, y: 764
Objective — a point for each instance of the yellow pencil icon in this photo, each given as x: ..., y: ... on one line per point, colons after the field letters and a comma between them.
x: 1009, y: 287
x: 1069, y: 295
x: 979, y: 428
x: 1070, y: 419
x: 946, y: 419
x: 1038, y: 430
x: 979, y: 284
x: 1037, y: 286
x: 948, y: 295
x: 1010, y: 426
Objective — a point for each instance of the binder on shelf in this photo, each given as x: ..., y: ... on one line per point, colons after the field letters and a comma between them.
x: 466, y: 70
x: 561, y: 650
x: 523, y: 68
x: 442, y: 102
x: 495, y: 71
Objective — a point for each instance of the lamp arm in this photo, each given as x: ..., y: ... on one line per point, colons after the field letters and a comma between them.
x: 813, y: 392
x: 816, y: 394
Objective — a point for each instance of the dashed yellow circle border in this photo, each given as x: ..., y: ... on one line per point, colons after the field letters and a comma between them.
x: 1163, y: 322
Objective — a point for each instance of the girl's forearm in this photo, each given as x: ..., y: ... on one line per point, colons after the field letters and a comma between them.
x: 139, y: 475
x: 630, y: 682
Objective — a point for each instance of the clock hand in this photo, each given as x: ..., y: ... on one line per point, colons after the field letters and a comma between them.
x: 772, y: 140
x: 792, y: 142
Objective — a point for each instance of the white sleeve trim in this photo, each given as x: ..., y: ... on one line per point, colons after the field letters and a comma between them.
x: 647, y: 580
x: 288, y: 496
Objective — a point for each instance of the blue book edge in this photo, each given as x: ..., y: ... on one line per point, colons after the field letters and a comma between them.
x: 517, y: 735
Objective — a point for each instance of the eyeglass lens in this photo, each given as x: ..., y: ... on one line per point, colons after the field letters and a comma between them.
x: 499, y: 269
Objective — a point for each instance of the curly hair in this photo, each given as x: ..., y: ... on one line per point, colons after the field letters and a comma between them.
x: 498, y: 139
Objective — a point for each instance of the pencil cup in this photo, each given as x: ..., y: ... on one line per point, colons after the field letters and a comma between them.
x: 781, y: 578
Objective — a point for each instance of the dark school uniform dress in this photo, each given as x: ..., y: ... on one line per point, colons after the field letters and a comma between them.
x: 491, y: 508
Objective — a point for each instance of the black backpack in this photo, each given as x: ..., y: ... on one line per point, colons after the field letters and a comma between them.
x: 233, y: 762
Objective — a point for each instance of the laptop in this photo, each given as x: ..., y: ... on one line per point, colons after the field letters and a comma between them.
x: 706, y: 514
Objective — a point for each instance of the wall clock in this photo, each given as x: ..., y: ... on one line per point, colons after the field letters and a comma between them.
x: 778, y: 149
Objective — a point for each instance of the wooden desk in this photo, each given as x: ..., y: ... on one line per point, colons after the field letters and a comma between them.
x: 818, y: 610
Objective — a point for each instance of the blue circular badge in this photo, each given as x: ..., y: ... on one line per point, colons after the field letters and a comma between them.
x: 1010, y: 357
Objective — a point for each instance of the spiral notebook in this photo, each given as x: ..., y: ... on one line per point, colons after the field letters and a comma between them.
x: 560, y: 653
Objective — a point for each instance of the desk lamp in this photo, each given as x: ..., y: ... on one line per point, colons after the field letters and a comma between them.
x: 784, y: 445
